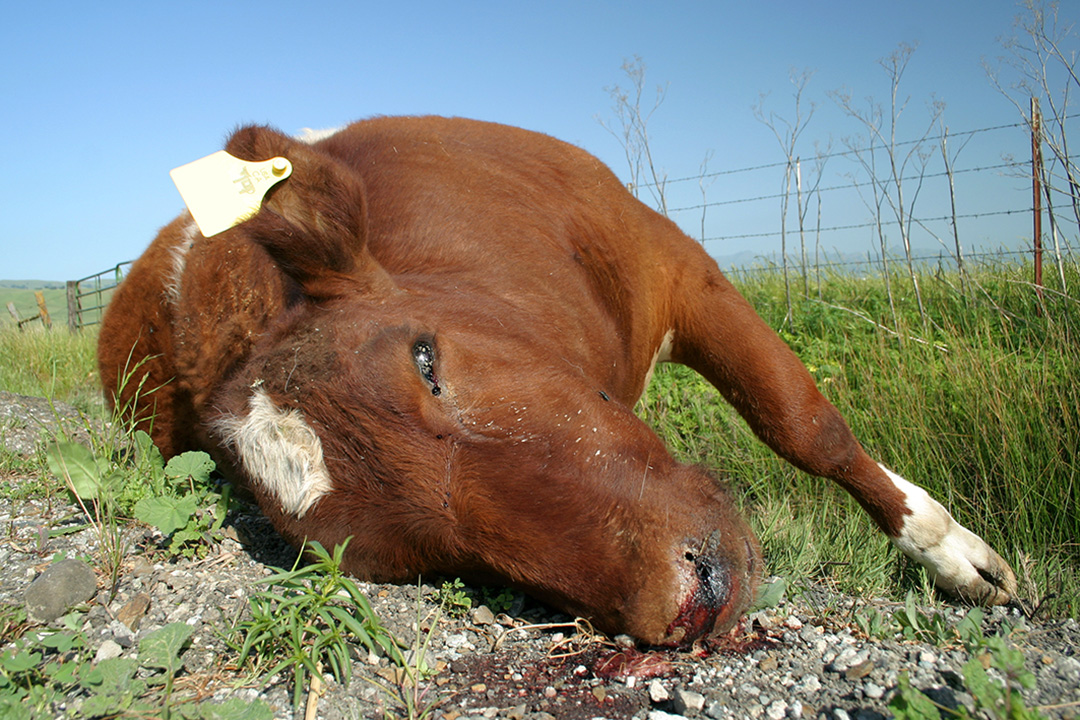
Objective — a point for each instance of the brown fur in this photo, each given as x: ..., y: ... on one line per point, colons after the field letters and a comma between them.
x: 546, y: 290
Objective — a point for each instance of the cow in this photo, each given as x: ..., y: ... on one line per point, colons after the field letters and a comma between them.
x: 430, y: 340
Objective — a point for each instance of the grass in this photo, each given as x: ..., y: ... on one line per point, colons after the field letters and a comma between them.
x: 51, y: 363
x: 981, y: 405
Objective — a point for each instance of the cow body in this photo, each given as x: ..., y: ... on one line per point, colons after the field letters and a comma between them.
x: 430, y: 340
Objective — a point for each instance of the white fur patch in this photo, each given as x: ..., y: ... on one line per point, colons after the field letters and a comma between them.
x: 311, y: 136
x: 280, y: 451
x: 179, y: 253
x: 931, y: 537
x: 662, y: 354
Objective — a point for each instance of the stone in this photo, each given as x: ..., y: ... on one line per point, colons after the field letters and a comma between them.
x: 62, y: 585
x: 107, y: 651
x: 132, y: 613
x: 686, y: 702
x: 777, y: 710
x: 482, y: 615
x: 657, y: 692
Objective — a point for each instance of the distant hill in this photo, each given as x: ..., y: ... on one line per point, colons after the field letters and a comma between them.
x: 32, y: 284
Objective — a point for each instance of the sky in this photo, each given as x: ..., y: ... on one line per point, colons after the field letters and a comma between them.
x: 98, y: 101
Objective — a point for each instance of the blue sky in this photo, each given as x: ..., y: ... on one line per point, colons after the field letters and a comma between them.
x: 101, y: 100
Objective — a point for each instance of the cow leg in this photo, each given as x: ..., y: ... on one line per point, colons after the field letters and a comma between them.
x: 718, y: 334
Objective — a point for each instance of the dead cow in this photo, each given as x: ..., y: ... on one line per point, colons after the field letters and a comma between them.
x: 430, y: 339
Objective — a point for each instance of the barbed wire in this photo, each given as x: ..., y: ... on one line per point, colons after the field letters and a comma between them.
x: 869, y: 224
x: 849, y: 186
x: 773, y: 263
x: 827, y: 156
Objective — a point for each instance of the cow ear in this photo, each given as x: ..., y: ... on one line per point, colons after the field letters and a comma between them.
x: 313, y: 224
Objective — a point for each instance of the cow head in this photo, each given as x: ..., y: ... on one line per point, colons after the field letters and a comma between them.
x: 406, y: 414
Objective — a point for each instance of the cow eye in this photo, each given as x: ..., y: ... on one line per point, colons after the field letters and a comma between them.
x: 424, y: 357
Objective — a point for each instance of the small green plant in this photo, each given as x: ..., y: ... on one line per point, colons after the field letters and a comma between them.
x: 875, y: 624
x: 498, y: 600
x: 919, y: 626
x: 191, y: 508
x: 410, y: 691
x: 94, y: 484
x: 999, y: 700
x: 453, y: 598
x: 305, y: 620
x: 43, y: 668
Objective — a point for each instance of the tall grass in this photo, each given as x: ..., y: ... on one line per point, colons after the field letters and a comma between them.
x: 50, y: 363
x: 981, y: 406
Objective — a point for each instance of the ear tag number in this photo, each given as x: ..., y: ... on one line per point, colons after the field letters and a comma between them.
x: 222, y: 191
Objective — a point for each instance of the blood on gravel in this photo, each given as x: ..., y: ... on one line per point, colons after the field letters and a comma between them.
x: 574, y: 695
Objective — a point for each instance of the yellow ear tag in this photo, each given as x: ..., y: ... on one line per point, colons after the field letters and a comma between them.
x: 222, y: 191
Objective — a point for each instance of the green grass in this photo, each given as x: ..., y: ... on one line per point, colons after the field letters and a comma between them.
x: 50, y: 363
x: 980, y: 405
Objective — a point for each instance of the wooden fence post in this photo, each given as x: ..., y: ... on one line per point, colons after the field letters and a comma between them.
x: 1036, y: 192
x: 73, y: 305
x: 43, y: 310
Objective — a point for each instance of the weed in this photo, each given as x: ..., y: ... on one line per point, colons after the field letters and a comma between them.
x: 93, y: 484
x: 305, y: 620
x: 453, y: 598
x: 996, y: 698
x: 43, y: 670
x: 498, y: 600
x: 410, y: 691
x: 190, y: 508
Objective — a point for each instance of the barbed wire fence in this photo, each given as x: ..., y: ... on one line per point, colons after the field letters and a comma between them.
x: 1001, y: 207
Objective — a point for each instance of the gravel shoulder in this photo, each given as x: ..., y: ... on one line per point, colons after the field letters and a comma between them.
x: 802, y: 658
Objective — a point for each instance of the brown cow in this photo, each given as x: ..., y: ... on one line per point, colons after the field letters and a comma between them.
x: 431, y: 338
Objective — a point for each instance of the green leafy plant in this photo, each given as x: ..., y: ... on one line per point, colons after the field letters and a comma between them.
x: 453, y: 597
x: 190, y: 508
x: 43, y: 667
x: 93, y: 484
x: 999, y: 700
x: 305, y: 620
x: 410, y: 691
x: 498, y: 600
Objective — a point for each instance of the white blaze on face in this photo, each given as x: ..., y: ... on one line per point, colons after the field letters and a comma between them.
x: 280, y: 452
x: 931, y: 537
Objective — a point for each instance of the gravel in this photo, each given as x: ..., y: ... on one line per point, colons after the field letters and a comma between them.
x: 803, y: 658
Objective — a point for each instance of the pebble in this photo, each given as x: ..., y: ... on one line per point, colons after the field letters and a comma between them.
x: 777, y: 710
x: 657, y: 692
x: 107, y: 651
x: 661, y: 715
x: 61, y: 586
x: 686, y: 701
x: 482, y: 615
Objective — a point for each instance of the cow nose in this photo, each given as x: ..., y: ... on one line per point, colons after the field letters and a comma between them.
x: 717, y: 595
x: 714, y: 582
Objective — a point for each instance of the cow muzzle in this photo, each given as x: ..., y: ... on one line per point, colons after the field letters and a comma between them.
x: 721, y: 585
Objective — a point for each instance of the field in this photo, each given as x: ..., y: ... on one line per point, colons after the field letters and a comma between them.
x: 55, y: 301
x: 979, y: 403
